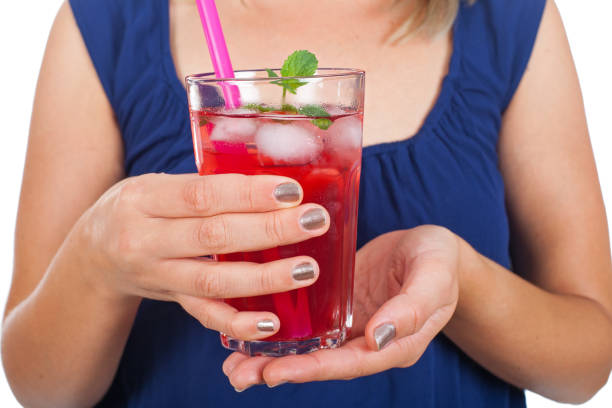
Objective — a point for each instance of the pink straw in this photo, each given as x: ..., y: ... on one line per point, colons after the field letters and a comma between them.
x: 218, y: 50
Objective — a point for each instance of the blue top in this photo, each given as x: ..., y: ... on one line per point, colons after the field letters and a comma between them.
x: 447, y: 174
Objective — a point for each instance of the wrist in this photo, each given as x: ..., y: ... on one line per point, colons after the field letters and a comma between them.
x: 470, y: 266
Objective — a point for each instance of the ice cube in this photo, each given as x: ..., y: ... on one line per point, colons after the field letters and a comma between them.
x: 345, y: 133
x: 287, y: 144
x: 234, y: 130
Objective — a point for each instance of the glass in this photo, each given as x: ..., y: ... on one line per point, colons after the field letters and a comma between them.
x: 280, y: 133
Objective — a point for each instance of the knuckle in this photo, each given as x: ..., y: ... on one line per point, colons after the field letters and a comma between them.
x: 202, y: 315
x: 232, y: 328
x: 209, y: 284
x: 414, y: 318
x: 247, y: 192
x: 200, y: 195
x: 213, y: 234
x: 274, y: 227
x: 407, y: 362
x: 130, y: 192
x: 265, y: 279
x: 411, y: 314
x: 411, y: 356
x: 409, y: 350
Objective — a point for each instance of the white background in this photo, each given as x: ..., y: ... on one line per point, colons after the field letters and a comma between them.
x: 24, y: 26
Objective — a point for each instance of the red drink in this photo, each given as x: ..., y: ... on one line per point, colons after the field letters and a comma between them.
x: 309, y: 128
x: 327, y: 164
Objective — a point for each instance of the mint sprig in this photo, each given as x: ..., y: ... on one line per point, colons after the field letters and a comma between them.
x: 301, y: 63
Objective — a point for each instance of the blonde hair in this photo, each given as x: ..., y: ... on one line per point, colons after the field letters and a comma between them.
x: 429, y: 18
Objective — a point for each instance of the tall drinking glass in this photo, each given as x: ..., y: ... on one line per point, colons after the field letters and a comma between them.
x: 313, y: 136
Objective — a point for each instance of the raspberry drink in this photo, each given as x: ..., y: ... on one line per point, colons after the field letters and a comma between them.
x: 305, y: 124
x: 327, y: 165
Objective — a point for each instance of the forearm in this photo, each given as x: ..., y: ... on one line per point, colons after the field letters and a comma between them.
x: 61, y: 346
x: 557, y: 345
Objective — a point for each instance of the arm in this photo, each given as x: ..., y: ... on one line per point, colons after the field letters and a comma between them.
x: 89, y: 248
x: 69, y: 164
x: 548, y: 329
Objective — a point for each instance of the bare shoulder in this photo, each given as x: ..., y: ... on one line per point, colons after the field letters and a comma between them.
x: 559, y: 231
x: 74, y: 153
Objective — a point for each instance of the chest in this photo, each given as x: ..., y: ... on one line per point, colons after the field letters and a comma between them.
x: 402, y: 81
x: 447, y: 175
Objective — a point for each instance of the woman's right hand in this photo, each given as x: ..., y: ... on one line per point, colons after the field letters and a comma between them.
x: 144, y: 237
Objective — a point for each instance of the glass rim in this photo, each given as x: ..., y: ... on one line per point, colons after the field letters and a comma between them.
x: 209, y: 77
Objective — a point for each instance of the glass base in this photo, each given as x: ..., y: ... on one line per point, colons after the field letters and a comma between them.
x: 283, y: 348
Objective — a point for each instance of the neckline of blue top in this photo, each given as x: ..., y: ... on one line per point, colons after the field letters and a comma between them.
x: 447, y: 89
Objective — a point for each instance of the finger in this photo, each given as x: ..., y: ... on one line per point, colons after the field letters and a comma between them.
x: 352, y: 360
x: 190, y: 195
x: 232, y: 362
x: 221, y: 317
x: 425, y: 292
x: 223, y: 280
x: 229, y: 233
x: 248, y: 372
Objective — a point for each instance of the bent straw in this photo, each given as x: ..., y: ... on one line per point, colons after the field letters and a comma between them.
x: 218, y: 50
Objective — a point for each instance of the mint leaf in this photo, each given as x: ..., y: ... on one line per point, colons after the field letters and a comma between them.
x: 318, y: 112
x: 271, y: 74
x: 290, y: 85
x: 322, y: 124
x: 203, y: 121
x: 314, y: 110
x: 258, y: 107
x: 289, y: 108
x: 284, y: 83
x: 300, y: 63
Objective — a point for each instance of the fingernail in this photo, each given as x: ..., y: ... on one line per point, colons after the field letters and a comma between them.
x: 287, y: 192
x: 243, y: 389
x: 265, y: 325
x: 303, y: 271
x: 276, y: 385
x: 383, y: 334
x: 313, y: 219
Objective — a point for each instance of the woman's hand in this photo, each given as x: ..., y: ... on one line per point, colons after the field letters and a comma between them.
x: 406, y: 290
x: 144, y: 237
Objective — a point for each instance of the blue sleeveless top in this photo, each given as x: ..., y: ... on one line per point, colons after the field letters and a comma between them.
x: 447, y: 174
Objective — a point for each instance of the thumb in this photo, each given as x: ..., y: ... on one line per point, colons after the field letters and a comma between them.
x: 430, y: 286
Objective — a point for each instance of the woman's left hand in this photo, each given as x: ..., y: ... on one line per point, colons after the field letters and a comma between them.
x: 406, y: 290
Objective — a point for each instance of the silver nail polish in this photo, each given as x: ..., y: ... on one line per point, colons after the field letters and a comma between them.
x: 303, y: 271
x: 287, y: 192
x: 313, y: 219
x: 265, y: 325
x: 383, y: 334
